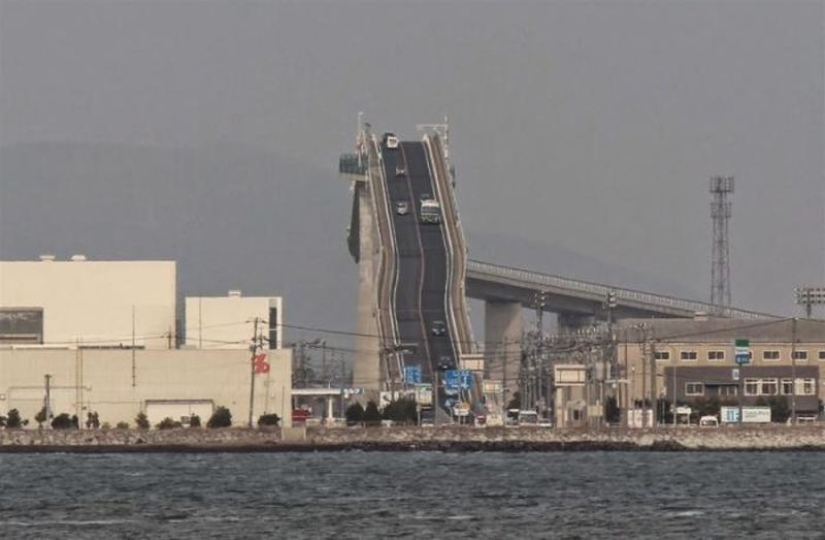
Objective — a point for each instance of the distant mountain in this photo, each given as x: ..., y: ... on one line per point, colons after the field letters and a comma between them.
x: 233, y: 217
x: 560, y: 261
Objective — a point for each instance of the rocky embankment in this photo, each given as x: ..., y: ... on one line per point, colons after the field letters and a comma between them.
x: 414, y: 439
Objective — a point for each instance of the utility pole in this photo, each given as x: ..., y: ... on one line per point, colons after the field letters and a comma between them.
x: 254, y: 349
x: 48, y: 403
x: 793, y: 371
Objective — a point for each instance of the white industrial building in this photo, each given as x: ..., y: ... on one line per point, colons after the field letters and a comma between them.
x: 88, y: 303
x: 230, y: 322
x: 99, y: 336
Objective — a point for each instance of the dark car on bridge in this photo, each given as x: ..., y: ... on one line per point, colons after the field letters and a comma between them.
x: 445, y: 363
x: 438, y: 328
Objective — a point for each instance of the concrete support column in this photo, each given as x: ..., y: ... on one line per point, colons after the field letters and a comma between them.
x: 503, y: 327
x: 330, y: 415
x: 366, y: 369
x: 570, y: 322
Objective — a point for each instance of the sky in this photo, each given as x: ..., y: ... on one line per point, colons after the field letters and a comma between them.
x: 579, y: 130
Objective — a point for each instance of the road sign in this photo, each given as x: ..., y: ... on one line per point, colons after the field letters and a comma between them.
x: 457, y: 379
x: 742, y: 352
x: 424, y: 394
x: 412, y: 374
x: 734, y: 374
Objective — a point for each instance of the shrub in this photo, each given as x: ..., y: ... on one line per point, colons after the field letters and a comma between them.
x: 372, y: 416
x: 168, y: 423
x: 106, y: 426
x: 13, y: 420
x: 402, y: 411
x: 63, y: 421
x: 195, y: 421
x: 269, y: 420
x: 141, y: 421
x: 41, y: 417
x: 122, y: 425
x: 354, y: 414
x: 92, y: 420
x: 222, y: 417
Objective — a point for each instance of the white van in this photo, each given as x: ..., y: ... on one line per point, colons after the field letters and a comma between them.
x: 708, y: 421
x: 391, y: 141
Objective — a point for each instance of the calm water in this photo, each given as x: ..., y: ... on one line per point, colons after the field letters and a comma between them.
x: 413, y: 495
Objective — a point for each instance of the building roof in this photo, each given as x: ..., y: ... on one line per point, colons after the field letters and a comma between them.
x: 722, y: 330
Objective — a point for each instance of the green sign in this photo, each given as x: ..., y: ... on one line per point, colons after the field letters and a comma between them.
x: 742, y: 343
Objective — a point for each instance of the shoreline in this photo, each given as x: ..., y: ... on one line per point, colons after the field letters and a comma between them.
x: 414, y: 439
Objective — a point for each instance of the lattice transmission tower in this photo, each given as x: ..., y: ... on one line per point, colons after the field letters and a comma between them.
x: 720, y: 211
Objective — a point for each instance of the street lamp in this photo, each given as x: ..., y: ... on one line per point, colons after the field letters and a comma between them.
x: 809, y: 296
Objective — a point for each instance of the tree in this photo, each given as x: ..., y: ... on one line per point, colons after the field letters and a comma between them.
x: 168, y: 423
x: 122, y: 425
x: 515, y: 402
x: 63, y: 421
x: 269, y: 420
x: 354, y: 414
x: 13, y: 421
x: 92, y: 420
x: 221, y: 418
x: 3, y: 420
x: 141, y: 421
x: 612, y: 413
x: 780, y: 412
x: 195, y: 421
x: 41, y: 417
x: 372, y: 416
x: 402, y: 411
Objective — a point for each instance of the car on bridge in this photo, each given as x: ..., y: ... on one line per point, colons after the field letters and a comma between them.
x: 390, y: 141
x: 445, y: 363
x: 402, y: 208
x: 438, y: 328
x: 400, y: 170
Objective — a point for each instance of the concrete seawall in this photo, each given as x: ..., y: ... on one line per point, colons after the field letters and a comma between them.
x: 413, y: 439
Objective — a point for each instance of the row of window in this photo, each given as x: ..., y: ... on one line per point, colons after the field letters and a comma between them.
x: 719, y: 355
x: 759, y: 387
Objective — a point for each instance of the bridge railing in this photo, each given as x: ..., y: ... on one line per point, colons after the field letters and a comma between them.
x: 597, y: 290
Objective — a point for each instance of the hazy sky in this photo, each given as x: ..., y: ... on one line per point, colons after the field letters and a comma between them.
x: 590, y: 126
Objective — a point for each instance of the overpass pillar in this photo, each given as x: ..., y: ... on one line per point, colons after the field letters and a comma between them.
x: 366, y: 369
x: 503, y: 327
x: 570, y: 322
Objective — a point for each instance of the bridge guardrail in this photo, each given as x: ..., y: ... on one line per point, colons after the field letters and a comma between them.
x: 598, y: 290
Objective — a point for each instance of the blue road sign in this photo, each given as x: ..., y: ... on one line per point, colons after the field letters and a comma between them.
x: 412, y: 374
x: 457, y: 379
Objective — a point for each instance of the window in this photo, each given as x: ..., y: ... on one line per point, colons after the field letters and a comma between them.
x: 694, y: 389
x: 822, y: 355
x: 728, y: 390
x: 688, y: 355
x: 787, y: 387
x: 769, y: 387
x: 751, y: 387
x: 716, y: 355
x: 770, y: 355
x: 662, y: 355
x: 805, y: 387
x: 800, y: 355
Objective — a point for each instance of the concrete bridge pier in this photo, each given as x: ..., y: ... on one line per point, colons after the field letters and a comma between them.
x: 367, y: 365
x: 570, y: 322
x: 503, y: 327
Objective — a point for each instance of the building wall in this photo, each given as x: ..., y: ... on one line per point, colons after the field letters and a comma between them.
x: 227, y: 322
x: 634, y: 360
x: 96, y: 303
x: 117, y: 383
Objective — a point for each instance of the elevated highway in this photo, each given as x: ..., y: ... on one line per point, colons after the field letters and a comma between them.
x: 414, y: 275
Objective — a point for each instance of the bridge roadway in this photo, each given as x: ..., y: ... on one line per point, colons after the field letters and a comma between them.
x: 420, y: 285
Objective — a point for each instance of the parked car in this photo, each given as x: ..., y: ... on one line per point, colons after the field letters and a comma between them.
x: 438, y: 328
x: 402, y: 208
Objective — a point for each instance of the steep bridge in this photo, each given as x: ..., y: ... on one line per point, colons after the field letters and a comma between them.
x: 414, y: 274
